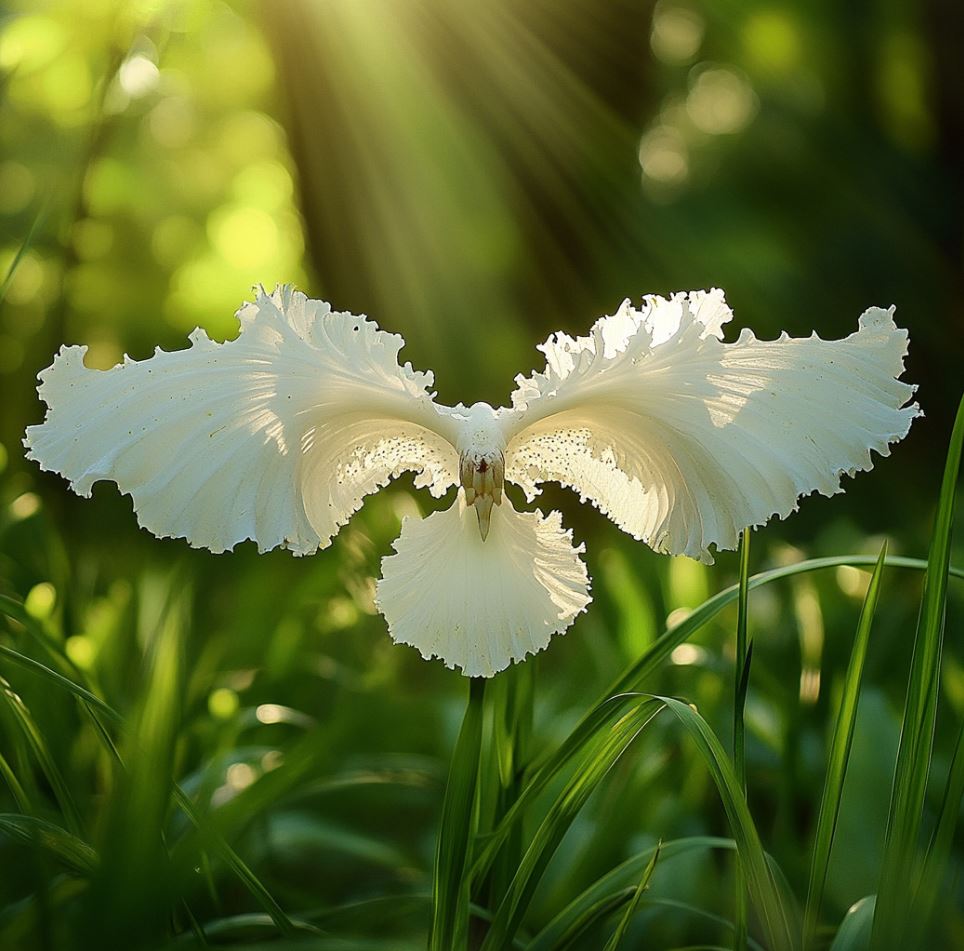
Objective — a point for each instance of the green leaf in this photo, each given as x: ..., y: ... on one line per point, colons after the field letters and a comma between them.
x: 941, y: 844
x: 616, y: 882
x: 900, y: 875
x: 840, y: 745
x: 763, y: 889
x: 450, y: 884
x: 617, y: 937
x: 854, y: 931
x: 41, y: 751
x: 610, y: 745
x: 72, y: 851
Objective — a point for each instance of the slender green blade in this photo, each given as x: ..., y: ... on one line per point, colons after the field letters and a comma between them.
x: 854, y: 931
x: 762, y: 887
x: 450, y: 885
x: 563, y: 810
x: 21, y: 251
x: 899, y: 878
x: 741, y: 669
x: 617, y: 937
x: 942, y: 840
x: 72, y: 851
x: 839, y: 757
x: 38, y: 745
x: 616, y: 882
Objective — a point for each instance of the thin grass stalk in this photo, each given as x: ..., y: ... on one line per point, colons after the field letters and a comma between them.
x: 761, y: 883
x: 512, y: 728
x: 633, y: 904
x: 941, y: 844
x: 839, y: 757
x: 900, y: 875
x: 450, y: 881
x: 741, y: 670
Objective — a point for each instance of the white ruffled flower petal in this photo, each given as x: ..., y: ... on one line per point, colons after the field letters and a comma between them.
x: 275, y: 436
x: 481, y: 605
x: 684, y: 440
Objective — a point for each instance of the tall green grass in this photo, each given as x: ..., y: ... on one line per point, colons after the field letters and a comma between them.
x: 136, y: 849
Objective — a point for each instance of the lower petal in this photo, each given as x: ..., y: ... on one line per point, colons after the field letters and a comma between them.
x: 481, y: 605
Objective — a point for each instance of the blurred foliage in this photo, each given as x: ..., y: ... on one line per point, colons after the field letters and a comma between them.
x: 474, y: 178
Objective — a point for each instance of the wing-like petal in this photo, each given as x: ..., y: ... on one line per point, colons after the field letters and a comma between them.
x: 275, y: 436
x: 683, y: 440
x: 481, y: 605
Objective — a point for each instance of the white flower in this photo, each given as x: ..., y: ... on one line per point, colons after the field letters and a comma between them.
x: 278, y: 436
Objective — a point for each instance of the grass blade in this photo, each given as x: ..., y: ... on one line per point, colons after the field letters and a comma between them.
x: 854, y: 931
x: 615, y: 883
x: 942, y: 840
x: 900, y: 874
x: 21, y: 251
x: 563, y: 810
x: 741, y: 670
x: 760, y: 882
x: 839, y: 757
x: 617, y: 937
x: 38, y: 746
x: 71, y: 850
x: 450, y: 886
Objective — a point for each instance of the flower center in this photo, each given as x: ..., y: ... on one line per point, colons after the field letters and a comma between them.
x: 482, y: 474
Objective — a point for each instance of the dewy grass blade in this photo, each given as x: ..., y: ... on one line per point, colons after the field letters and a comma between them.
x: 617, y: 937
x: 762, y: 888
x: 450, y: 886
x: 900, y: 873
x: 839, y: 756
x: 564, y: 808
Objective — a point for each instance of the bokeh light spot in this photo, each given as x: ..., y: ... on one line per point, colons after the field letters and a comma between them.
x: 677, y: 33
x: 721, y: 101
x: 663, y: 156
x: 24, y: 506
x: 40, y: 600
x: 245, y: 237
x: 81, y: 650
x: 772, y: 42
x: 138, y: 75
x: 223, y: 703
x: 30, y: 42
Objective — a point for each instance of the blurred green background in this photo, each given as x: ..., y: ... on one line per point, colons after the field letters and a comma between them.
x: 474, y: 177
